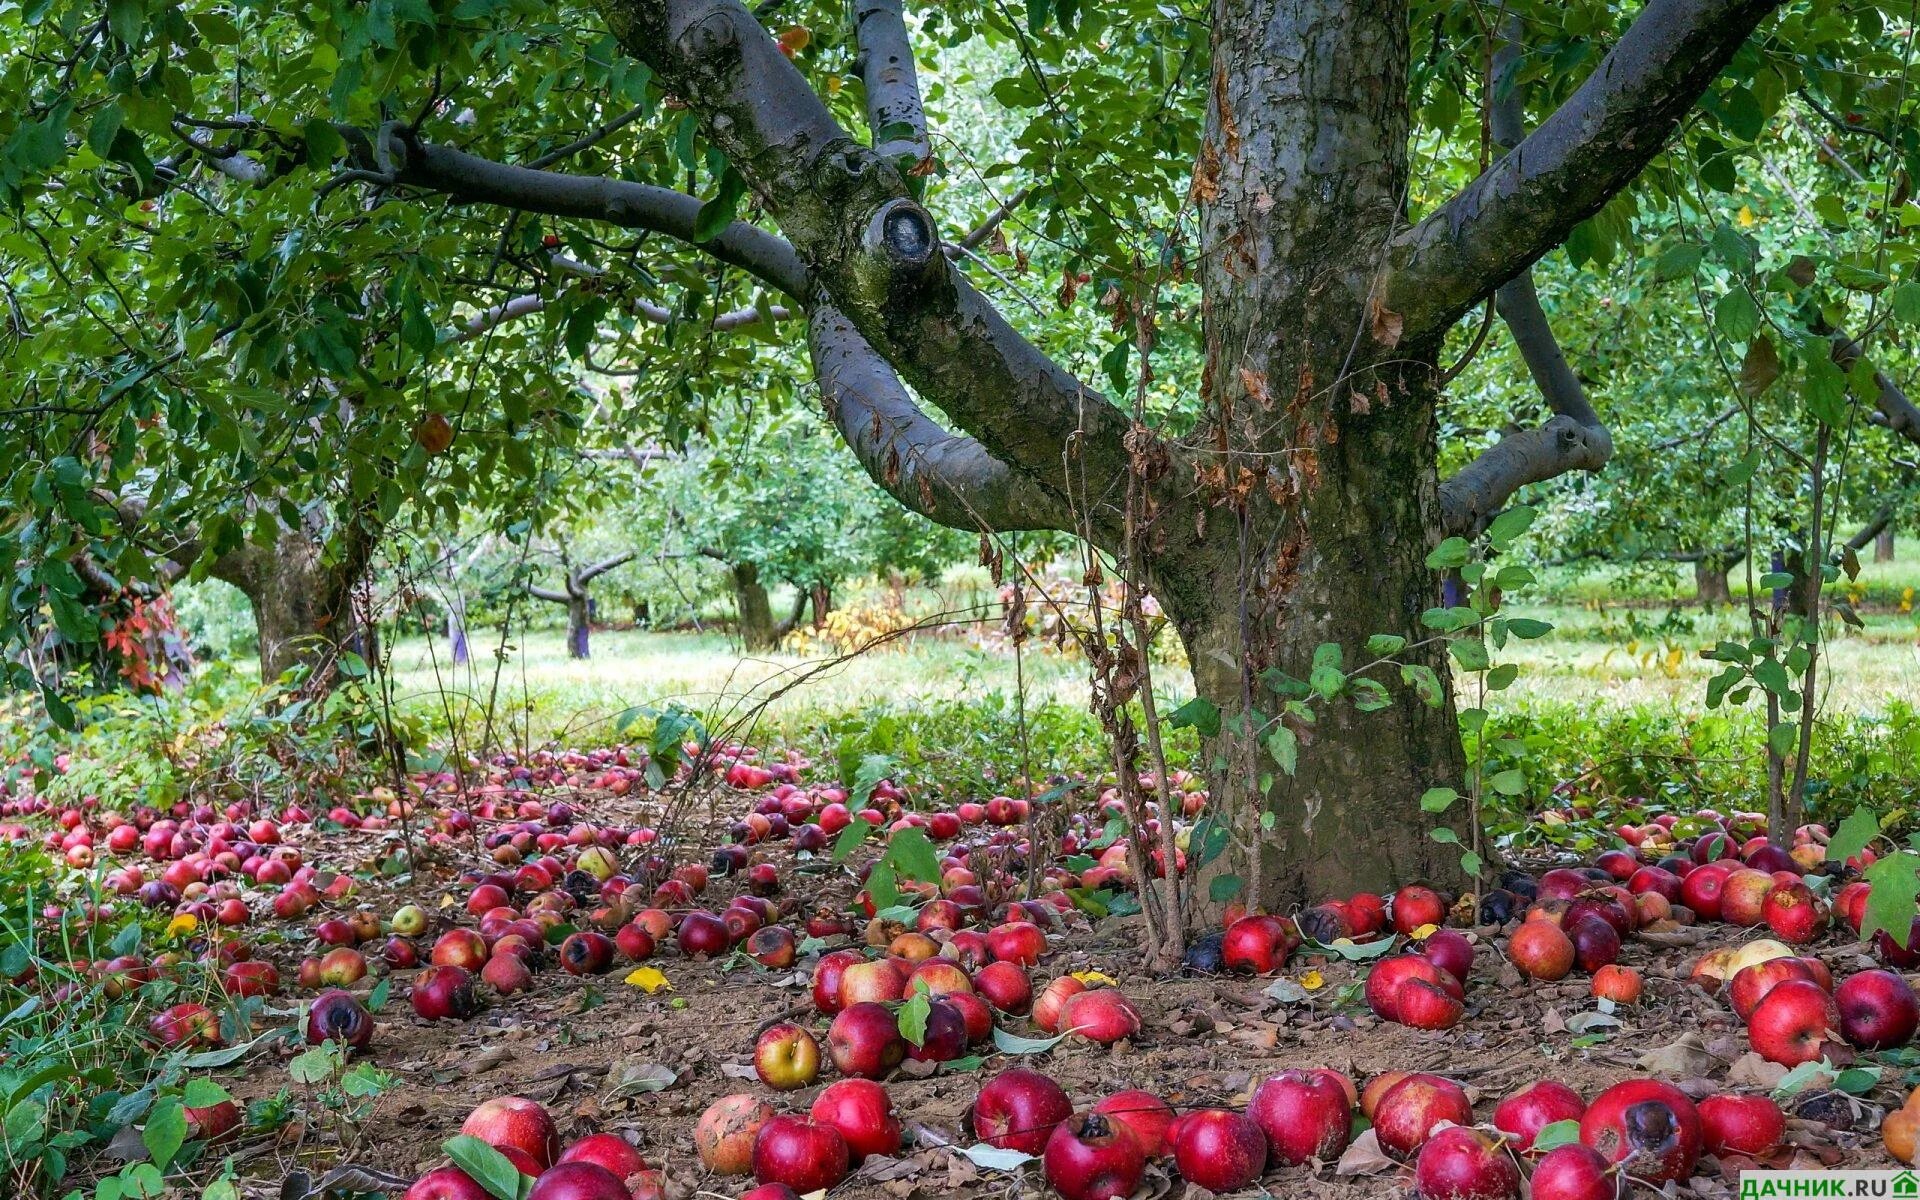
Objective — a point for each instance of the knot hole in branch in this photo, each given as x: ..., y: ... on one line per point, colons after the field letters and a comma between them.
x: 904, y: 232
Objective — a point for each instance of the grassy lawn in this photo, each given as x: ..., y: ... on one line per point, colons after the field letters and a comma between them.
x: 1601, y: 656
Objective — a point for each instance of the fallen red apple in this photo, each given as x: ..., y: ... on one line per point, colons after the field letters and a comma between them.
x: 1219, y: 1150
x: 726, y: 1131
x: 862, y: 1111
x: 446, y: 1183
x: 1651, y: 1129
x: 1102, y: 1015
x: 514, y: 1121
x: 578, y: 1181
x: 1750, y: 1125
x: 1542, y: 950
x: 1091, y: 1157
x: 1018, y: 1109
x: 1793, y: 1023
x: 1525, y: 1113
x: 1465, y: 1164
x: 805, y: 1154
x: 1877, y: 1009
x: 1407, y: 1113
x: 1304, y: 1115
x: 1144, y: 1114
x: 336, y: 1016
x: 864, y: 1041
x: 1574, y: 1172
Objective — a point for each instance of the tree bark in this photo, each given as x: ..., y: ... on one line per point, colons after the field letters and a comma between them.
x: 579, y: 625
x: 1304, y: 373
x: 302, y: 610
x: 1883, y: 545
x: 1710, y: 585
x: 823, y: 603
x: 756, y: 611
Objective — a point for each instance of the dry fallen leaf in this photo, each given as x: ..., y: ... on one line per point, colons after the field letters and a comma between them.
x: 1686, y: 1056
x: 1364, y: 1157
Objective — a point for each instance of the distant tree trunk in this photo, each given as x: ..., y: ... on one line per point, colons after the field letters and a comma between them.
x: 822, y: 604
x: 457, y: 629
x: 642, y: 613
x: 579, y: 625
x: 756, y: 611
x: 1883, y: 545
x: 578, y: 598
x: 1710, y: 586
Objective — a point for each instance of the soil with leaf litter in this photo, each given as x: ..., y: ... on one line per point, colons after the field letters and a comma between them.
x: 605, y: 1055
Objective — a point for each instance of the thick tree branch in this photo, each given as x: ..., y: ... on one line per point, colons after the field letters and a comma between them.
x: 525, y: 306
x: 1574, y: 439
x: 944, y: 477
x: 872, y: 247
x: 1564, y: 171
x: 588, y: 574
x: 617, y: 202
x: 541, y: 593
x: 893, y: 88
x: 1892, y: 409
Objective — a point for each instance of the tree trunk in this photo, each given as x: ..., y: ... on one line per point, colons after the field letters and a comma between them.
x: 823, y: 604
x: 302, y: 607
x: 1883, y: 545
x: 579, y: 624
x: 1326, y: 502
x: 756, y: 611
x: 1710, y: 586
x: 457, y: 628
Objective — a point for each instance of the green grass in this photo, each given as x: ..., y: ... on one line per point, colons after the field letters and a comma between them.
x: 1880, y: 584
x: 1596, y: 656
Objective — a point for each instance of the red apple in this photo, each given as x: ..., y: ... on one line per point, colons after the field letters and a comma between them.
x: 1257, y: 945
x: 1304, y: 1114
x: 1219, y: 1150
x: 1749, y: 1125
x: 1018, y: 1110
x: 1415, y: 906
x: 1465, y: 1164
x: 336, y: 1016
x: 1052, y: 1002
x: 1795, y: 914
x: 1542, y: 950
x: 607, y: 1150
x: 444, y: 993
x: 1525, y: 1113
x: 864, y: 1041
x: 827, y: 976
x: 1146, y: 1115
x: 1102, y: 1015
x: 863, y: 1113
x: 1406, y: 1114
x: 513, y: 1121
x: 1005, y: 986
x: 1019, y: 942
x: 726, y: 1131
x: 1793, y: 1022
x: 579, y: 1181
x: 1451, y: 951
x: 1091, y: 1157
x: 446, y: 1183
x: 1877, y: 1010
x: 1650, y: 1128
x: 804, y: 1154
x: 1574, y: 1172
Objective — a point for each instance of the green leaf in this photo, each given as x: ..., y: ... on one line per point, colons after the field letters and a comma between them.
x: 165, y: 1131
x: 1369, y: 695
x: 323, y: 141
x: 1736, y: 316
x: 1199, y: 714
x: 1009, y: 1043
x: 1527, y: 629
x: 1783, y: 737
x: 1894, y: 899
x: 1284, y: 747
x: 1677, y: 262
x: 850, y: 837
x: 1385, y: 645
x: 1470, y: 863
x: 489, y: 1168
x: 1424, y: 682
x: 1444, y: 835
x: 913, y: 855
x: 1508, y: 783
x: 1470, y: 653
x: 1556, y: 1134
x: 716, y: 214
x: 1855, y: 834
x: 203, y: 1093
x: 1453, y: 552
x: 1438, y: 799
x: 1223, y: 888
x: 914, y: 1014
x: 1503, y: 529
